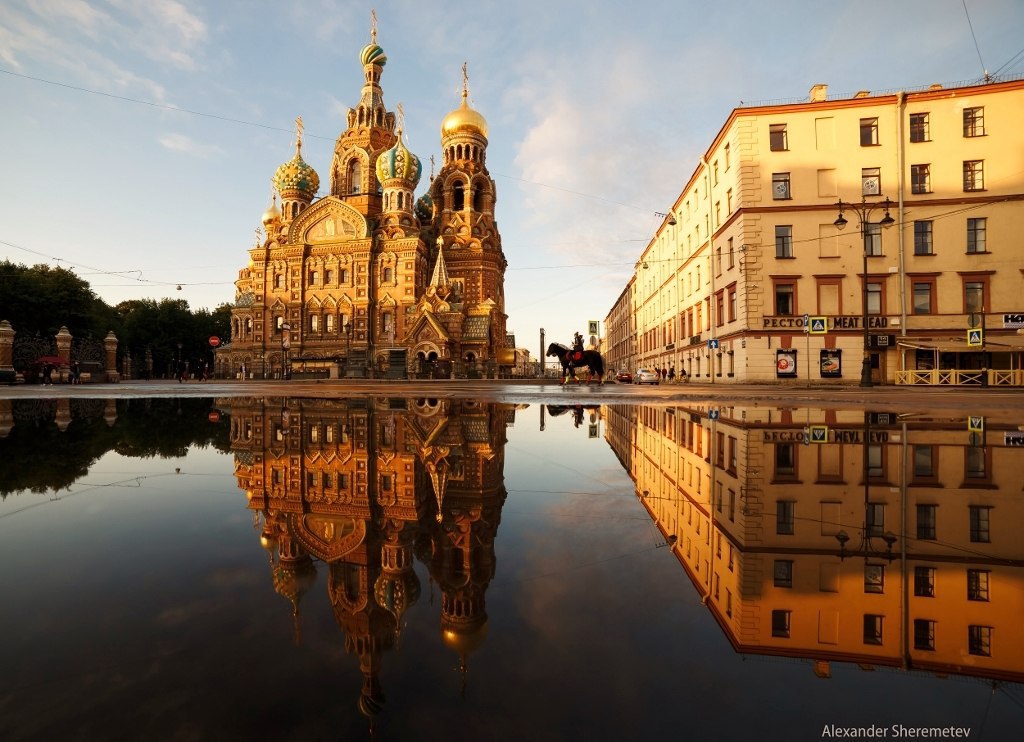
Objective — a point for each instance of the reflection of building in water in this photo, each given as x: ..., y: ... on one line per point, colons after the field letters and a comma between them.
x: 893, y: 542
x: 367, y: 487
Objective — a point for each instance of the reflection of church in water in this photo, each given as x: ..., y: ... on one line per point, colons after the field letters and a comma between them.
x: 842, y: 536
x: 366, y: 488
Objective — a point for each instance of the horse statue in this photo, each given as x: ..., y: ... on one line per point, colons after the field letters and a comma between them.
x: 589, y: 359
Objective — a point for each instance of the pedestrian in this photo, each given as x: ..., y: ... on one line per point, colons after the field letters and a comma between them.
x: 76, y: 373
x: 683, y: 376
x: 672, y: 374
x: 47, y: 374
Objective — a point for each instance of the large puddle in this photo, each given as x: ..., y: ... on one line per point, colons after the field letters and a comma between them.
x: 258, y: 568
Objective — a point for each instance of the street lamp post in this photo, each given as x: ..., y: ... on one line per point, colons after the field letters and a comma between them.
x: 863, y: 210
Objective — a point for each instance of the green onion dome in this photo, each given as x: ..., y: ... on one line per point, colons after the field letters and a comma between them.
x: 399, y: 163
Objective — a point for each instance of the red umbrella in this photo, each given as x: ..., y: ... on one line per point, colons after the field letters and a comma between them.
x: 52, y: 360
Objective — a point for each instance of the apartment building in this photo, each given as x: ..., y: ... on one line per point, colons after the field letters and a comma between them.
x: 843, y: 239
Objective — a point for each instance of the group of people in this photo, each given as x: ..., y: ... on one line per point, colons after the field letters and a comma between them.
x: 74, y: 373
x: 670, y: 374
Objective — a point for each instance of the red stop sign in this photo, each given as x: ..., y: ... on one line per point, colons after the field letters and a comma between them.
x: 214, y: 341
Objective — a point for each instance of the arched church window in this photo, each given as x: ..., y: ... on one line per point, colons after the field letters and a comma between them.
x: 355, y: 176
x: 314, y: 278
x: 248, y: 325
x: 328, y: 277
x: 460, y: 198
x: 401, y: 201
x: 387, y: 276
x: 478, y: 198
x: 330, y: 323
x: 278, y: 280
x: 314, y: 323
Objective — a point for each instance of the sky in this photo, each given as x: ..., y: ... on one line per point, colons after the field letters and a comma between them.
x: 139, y: 138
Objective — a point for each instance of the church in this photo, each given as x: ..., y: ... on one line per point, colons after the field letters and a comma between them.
x: 367, y: 280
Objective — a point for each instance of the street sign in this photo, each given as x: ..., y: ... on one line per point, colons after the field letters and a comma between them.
x: 976, y: 424
x: 975, y: 336
x: 1013, y: 438
x: 592, y: 327
x: 819, y: 434
x: 713, y: 414
x: 819, y: 325
x: 713, y: 344
x: 214, y: 341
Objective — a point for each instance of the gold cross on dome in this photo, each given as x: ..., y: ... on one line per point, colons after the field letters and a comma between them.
x: 373, y: 25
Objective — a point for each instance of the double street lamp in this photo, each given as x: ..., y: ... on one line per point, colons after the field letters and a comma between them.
x: 863, y: 210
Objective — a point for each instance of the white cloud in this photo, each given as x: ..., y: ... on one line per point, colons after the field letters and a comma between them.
x: 182, y: 143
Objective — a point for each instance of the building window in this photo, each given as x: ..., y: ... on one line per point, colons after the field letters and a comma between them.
x: 924, y: 634
x: 976, y: 234
x: 777, y: 138
x: 977, y: 584
x: 975, y: 464
x: 924, y: 462
x: 979, y: 640
x: 974, y: 296
x: 278, y: 280
x: 732, y: 303
x: 329, y: 321
x: 780, y: 186
x: 923, y: 237
x: 780, y: 624
x: 919, y: 128
x: 875, y: 302
x: 343, y: 276
x: 974, y: 122
x: 868, y: 132
x: 920, y: 178
x: 924, y: 582
x: 785, y: 299
x: 785, y: 517
x: 873, y: 240
x: 875, y: 514
x: 974, y: 175
x: 926, y: 522
x: 874, y: 578
x: 980, y: 533
x: 386, y: 277
x: 728, y: 157
x: 871, y: 181
x: 278, y: 325
x: 785, y: 460
x: 314, y: 323
x: 783, y: 573
x: 314, y: 278
x: 328, y: 277
x: 784, y: 241
x: 728, y: 603
x: 875, y: 461
x: 732, y: 254
x: 923, y: 297
x: 872, y: 629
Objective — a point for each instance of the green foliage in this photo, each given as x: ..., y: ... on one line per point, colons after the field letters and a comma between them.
x: 41, y: 299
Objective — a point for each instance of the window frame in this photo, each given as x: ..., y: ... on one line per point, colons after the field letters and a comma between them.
x: 928, y: 282
x: 778, y: 138
x: 924, y: 242
x: 924, y: 634
x: 980, y: 524
x: 785, y: 517
x: 921, y: 178
x: 974, y: 176
x: 979, y: 640
x: 920, y: 127
x: 974, y: 121
x: 873, y: 628
x: 784, y: 241
x: 977, y: 226
x: 869, y: 132
x: 926, y: 525
x: 979, y: 582
x: 924, y: 581
x: 781, y: 623
x: 782, y: 573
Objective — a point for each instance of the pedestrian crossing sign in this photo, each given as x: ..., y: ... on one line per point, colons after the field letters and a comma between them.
x: 975, y: 336
x: 819, y: 325
x: 819, y: 433
x: 976, y: 424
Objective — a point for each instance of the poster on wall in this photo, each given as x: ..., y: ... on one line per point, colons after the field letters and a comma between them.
x: 785, y: 362
x: 831, y: 363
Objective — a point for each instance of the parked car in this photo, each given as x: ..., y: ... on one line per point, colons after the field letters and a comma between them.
x: 646, y: 376
x: 624, y: 377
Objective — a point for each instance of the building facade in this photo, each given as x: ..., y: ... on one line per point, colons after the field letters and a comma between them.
x: 888, y: 223
x: 366, y: 279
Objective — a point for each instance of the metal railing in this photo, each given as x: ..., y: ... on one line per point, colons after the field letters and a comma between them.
x: 954, y: 377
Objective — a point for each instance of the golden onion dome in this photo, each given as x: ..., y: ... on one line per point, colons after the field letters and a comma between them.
x: 272, y: 215
x: 399, y: 162
x: 297, y: 175
x: 463, y: 118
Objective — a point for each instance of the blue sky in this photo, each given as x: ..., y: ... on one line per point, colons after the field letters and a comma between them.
x: 598, y: 113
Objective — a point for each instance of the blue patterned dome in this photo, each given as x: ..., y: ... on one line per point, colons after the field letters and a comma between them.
x: 399, y: 163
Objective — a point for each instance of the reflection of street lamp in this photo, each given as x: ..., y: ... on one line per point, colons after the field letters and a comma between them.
x: 863, y: 210
x: 286, y: 343
x: 346, y: 330
x: 866, y: 533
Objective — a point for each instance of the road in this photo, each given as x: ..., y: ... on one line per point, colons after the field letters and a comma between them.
x: 1006, y: 404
